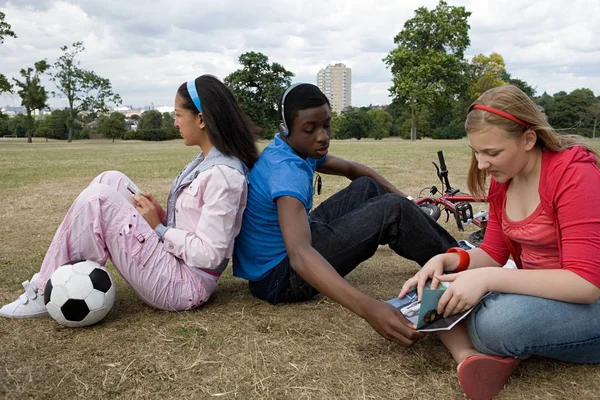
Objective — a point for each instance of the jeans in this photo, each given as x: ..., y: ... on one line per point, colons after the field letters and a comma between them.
x: 521, y: 326
x: 347, y: 229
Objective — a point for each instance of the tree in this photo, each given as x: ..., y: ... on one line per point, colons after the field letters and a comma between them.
x: 428, y: 64
x: 150, y: 120
x: 150, y: 127
x: 356, y: 124
x: 383, y: 123
x: 521, y: 84
x: 567, y: 111
x: 33, y: 94
x: 84, y: 90
x: 18, y: 125
x: 258, y: 87
x: 5, y: 31
x: 592, y: 116
x: 336, y: 119
x: 55, y: 125
x: 113, y: 126
x: 168, y: 124
x: 485, y: 73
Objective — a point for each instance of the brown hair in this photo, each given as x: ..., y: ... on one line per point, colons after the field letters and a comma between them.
x: 512, y: 100
x: 228, y: 127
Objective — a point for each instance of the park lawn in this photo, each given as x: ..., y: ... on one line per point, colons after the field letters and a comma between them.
x: 235, y: 346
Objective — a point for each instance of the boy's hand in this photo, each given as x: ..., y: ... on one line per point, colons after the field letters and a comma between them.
x: 391, y: 324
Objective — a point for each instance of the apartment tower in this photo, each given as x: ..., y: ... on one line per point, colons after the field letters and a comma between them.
x: 336, y: 82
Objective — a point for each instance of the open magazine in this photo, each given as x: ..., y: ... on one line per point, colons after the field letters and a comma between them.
x: 424, y: 314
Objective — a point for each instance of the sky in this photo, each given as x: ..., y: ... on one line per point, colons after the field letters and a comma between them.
x: 148, y: 48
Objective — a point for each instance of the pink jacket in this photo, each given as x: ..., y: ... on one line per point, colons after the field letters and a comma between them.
x: 209, y: 217
x: 569, y: 185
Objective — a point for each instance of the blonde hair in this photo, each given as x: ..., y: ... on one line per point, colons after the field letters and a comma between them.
x: 512, y: 100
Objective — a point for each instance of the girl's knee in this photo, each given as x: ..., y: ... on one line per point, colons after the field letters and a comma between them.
x: 109, y: 177
x: 500, y: 325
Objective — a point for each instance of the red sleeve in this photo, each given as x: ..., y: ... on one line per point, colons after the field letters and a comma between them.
x: 577, y: 207
x: 493, y: 241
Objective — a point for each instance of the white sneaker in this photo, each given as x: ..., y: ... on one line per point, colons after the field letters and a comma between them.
x: 29, y: 305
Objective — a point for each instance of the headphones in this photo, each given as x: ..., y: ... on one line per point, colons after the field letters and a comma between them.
x: 283, y: 128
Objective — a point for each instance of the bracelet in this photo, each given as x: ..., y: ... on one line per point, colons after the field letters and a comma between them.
x: 464, y: 258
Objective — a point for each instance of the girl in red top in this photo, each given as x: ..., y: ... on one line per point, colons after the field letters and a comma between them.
x: 544, y: 212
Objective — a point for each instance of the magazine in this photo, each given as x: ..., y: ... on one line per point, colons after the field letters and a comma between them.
x: 424, y: 314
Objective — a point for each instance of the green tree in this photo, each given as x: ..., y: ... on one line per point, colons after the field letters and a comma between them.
x: 4, y: 124
x: 83, y: 89
x: 428, y: 64
x: 356, y: 124
x: 521, y: 84
x: 592, y: 117
x: 258, y: 87
x: 5, y: 31
x: 55, y: 125
x: 88, y: 117
x: 168, y: 124
x: 33, y: 94
x: 150, y: 120
x: 568, y: 111
x: 485, y: 72
x: 150, y: 127
x: 383, y: 123
x: 18, y: 125
x: 113, y: 126
x: 336, y: 119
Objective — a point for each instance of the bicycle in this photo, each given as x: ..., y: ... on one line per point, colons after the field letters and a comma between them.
x: 455, y: 203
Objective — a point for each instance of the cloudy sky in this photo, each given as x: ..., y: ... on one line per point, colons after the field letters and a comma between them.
x: 147, y: 48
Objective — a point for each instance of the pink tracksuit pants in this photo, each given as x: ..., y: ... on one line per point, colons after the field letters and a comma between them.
x: 102, y: 223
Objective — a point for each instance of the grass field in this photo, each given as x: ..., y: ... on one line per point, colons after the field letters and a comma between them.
x: 235, y: 346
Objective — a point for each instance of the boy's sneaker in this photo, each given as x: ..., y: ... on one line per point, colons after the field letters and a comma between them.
x: 465, y: 245
x: 29, y: 305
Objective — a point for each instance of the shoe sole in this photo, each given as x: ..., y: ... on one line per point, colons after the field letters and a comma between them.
x: 40, y: 314
x: 483, y: 377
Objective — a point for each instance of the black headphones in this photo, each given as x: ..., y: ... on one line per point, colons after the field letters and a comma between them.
x: 283, y: 128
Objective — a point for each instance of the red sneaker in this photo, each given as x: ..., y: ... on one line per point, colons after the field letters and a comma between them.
x: 483, y: 377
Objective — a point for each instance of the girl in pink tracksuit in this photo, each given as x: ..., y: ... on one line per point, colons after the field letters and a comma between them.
x: 172, y: 258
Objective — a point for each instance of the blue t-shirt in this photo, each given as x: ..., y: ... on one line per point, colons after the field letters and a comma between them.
x: 278, y: 172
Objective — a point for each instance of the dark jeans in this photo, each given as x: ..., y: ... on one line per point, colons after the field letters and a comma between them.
x: 346, y: 230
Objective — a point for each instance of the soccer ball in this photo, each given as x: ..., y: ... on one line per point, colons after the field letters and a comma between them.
x: 79, y: 294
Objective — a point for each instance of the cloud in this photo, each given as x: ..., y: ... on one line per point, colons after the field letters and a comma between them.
x: 147, y: 48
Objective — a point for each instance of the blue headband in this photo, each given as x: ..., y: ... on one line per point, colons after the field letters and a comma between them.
x: 191, y: 87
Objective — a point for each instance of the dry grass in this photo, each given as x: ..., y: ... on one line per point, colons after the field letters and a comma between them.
x: 235, y: 346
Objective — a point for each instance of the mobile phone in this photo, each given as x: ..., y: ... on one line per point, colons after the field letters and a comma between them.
x: 133, y: 188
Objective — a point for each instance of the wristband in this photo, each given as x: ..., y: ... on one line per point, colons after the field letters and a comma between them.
x: 464, y: 258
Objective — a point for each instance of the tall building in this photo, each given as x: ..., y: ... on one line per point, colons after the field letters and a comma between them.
x: 336, y: 82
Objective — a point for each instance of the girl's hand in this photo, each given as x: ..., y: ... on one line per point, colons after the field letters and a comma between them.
x: 146, y: 209
x: 465, y: 291
x: 431, y: 270
x: 156, y: 204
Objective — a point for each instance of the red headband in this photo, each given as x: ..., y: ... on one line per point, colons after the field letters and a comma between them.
x: 502, y: 114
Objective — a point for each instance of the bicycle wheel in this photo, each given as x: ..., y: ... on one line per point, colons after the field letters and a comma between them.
x: 432, y: 210
x: 476, y: 238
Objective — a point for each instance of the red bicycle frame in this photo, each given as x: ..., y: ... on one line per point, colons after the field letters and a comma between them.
x: 453, y: 202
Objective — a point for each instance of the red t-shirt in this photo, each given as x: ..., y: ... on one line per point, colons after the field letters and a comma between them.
x: 536, y: 235
x: 568, y: 188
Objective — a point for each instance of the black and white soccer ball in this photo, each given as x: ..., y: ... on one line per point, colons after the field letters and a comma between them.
x: 80, y: 293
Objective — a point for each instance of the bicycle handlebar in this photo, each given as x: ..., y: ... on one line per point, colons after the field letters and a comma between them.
x: 442, y: 161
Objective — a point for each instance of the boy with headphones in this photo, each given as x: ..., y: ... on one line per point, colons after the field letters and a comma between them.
x: 289, y: 253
